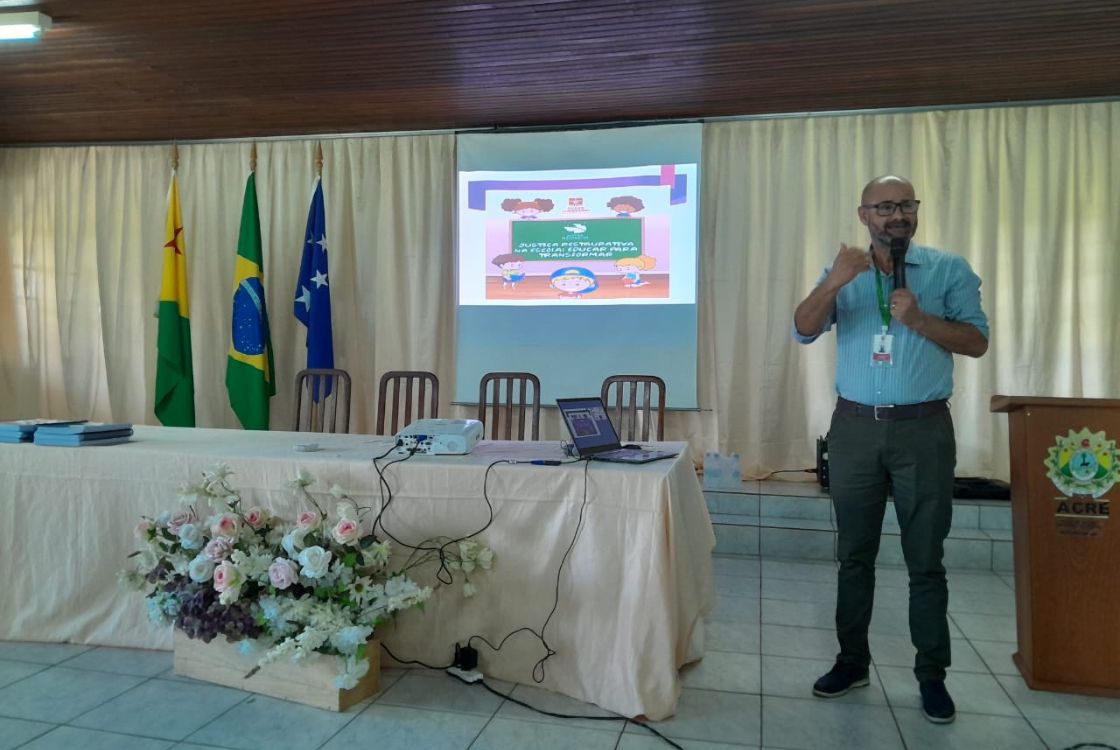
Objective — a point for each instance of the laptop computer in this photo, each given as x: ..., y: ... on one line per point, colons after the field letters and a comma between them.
x: 594, y: 436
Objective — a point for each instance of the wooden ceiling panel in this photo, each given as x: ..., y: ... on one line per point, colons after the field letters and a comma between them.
x: 125, y: 70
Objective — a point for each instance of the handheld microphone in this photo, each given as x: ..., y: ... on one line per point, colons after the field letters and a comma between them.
x: 898, y: 260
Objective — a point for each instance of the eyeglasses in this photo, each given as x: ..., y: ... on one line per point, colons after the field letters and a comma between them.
x: 887, y: 208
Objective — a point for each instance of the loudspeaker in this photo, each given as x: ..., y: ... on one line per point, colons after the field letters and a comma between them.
x: 822, y: 461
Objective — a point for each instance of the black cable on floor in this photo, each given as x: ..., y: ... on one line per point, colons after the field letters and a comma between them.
x: 573, y: 716
x: 413, y: 661
x: 538, y: 668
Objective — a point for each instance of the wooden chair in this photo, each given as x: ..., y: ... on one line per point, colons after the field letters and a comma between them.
x: 632, y: 405
x: 322, y: 401
x: 414, y: 391
x: 504, y: 409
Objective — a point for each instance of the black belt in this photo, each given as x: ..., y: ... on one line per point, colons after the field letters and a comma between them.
x: 881, y: 413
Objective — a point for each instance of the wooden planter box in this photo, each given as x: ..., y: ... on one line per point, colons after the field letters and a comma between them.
x: 310, y: 681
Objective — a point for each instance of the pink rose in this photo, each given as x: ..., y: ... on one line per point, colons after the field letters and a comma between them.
x: 227, y: 525
x: 227, y: 577
x: 282, y: 573
x: 218, y: 549
x: 309, y: 519
x: 143, y: 528
x: 346, y: 531
x: 178, y: 520
x: 256, y: 517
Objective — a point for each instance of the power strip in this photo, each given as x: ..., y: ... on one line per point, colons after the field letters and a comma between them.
x: 468, y: 676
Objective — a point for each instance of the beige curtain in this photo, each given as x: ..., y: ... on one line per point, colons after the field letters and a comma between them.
x: 81, y: 233
x: 1029, y: 195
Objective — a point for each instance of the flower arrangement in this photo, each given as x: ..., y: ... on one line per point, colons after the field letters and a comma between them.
x: 320, y: 584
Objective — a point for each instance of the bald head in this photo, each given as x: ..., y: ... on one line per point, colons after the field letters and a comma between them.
x: 888, y: 192
x: 887, y: 179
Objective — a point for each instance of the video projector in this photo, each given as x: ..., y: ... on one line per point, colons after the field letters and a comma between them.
x: 439, y: 436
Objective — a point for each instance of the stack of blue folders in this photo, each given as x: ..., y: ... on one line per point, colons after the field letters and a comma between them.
x: 82, y: 434
x: 23, y: 430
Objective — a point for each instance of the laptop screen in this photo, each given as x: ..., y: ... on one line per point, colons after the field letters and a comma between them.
x: 588, y: 424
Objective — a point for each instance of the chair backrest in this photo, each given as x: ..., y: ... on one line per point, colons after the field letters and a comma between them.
x: 504, y: 409
x: 322, y: 401
x: 630, y: 405
x: 412, y: 394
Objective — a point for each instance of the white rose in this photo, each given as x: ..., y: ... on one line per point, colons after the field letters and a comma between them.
x: 315, y: 561
x: 201, y: 569
x: 293, y: 540
x: 190, y: 536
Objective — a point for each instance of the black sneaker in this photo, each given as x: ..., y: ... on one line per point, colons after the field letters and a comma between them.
x: 936, y: 703
x: 840, y: 679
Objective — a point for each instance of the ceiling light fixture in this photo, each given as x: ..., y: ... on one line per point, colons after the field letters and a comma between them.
x: 23, y: 25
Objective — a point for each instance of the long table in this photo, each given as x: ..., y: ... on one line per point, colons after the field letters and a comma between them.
x: 632, y: 593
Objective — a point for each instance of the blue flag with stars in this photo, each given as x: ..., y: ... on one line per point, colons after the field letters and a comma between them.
x: 313, y: 292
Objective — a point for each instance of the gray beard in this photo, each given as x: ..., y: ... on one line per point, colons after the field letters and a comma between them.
x: 884, y: 238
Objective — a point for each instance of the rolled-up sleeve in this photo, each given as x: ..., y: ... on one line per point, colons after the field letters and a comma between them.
x: 797, y: 335
x: 962, y: 300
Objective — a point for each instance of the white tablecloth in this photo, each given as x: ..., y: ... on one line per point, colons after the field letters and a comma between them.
x: 633, y: 591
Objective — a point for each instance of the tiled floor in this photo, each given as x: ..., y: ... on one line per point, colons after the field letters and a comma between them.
x: 768, y: 639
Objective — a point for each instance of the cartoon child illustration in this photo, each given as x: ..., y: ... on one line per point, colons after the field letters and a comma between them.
x: 624, y: 205
x: 632, y: 268
x: 527, y: 209
x: 510, y: 263
x: 573, y: 281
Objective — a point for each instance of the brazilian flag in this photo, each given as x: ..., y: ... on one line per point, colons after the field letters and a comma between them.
x: 174, y: 404
x: 250, y: 374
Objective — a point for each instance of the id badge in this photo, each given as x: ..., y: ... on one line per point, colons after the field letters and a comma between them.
x: 881, y: 350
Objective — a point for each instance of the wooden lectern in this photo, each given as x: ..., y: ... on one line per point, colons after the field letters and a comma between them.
x: 1065, y: 468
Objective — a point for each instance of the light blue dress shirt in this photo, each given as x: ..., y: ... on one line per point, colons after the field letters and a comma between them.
x: 945, y: 286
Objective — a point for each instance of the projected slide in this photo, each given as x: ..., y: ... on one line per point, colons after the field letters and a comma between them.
x: 557, y: 237
x: 577, y: 257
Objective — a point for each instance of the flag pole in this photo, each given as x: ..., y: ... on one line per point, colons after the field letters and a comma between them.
x: 174, y: 168
x: 250, y: 376
x: 174, y: 397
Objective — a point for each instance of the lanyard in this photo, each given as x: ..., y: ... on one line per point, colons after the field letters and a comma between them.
x: 884, y: 308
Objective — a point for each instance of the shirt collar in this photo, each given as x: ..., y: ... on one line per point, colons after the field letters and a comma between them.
x: 916, y: 254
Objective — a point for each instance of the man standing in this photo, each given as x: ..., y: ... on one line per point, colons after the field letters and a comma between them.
x: 894, y: 375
